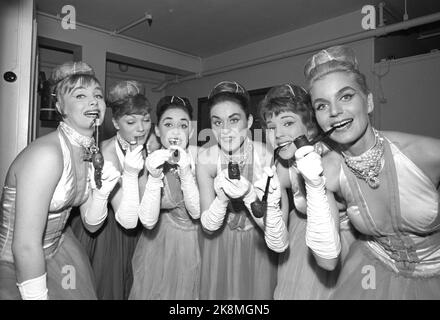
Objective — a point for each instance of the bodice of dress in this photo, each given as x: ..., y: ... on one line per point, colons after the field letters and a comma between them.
x: 172, y: 202
x: 69, y: 192
x: 406, y: 235
x: 238, y: 216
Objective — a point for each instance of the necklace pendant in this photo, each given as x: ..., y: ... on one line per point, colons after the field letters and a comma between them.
x: 87, y: 155
x: 373, y: 182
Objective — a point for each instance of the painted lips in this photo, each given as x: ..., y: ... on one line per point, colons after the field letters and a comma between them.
x: 92, y: 113
x: 342, y: 124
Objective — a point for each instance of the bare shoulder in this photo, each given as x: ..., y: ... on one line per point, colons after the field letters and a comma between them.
x: 263, y: 151
x: 193, y: 151
x: 42, y: 155
x: 208, y: 154
x: 422, y: 150
x: 331, y: 163
x: 108, y: 145
x: 207, y: 160
x: 109, y: 152
x: 408, y: 142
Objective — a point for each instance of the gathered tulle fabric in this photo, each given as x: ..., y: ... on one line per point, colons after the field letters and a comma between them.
x: 110, y: 251
x: 237, y: 265
x: 166, y: 262
x: 236, y: 262
x: 399, y: 257
x: 299, y: 276
x: 69, y: 274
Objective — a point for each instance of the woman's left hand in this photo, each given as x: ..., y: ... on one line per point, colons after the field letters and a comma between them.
x: 184, y: 162
x: 110, y: 176
x: 274, y: 190
x: 235, y: 188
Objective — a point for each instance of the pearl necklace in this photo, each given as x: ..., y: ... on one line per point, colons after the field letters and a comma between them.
x: 242, y: 157
x: 368, y: 165
x: 124, y: 144
x: 75, y: 137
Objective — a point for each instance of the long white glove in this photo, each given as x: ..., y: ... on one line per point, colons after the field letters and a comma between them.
x: 127, y: 213
x: 97, y: 209
x: 34, y: 289
x: 242, y: 188
x: 154, y: 162
x: 322, y: 235
x: 149, y: 208
x: 275, y: 232
x: 212, y: 219
x: 188, y: 184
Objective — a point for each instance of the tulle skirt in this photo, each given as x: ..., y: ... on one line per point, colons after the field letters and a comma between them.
x: 237, y: 264
x: 299, y: 276
x: 110, y: 250
x: 365, y: 277
x: 69, y: 274
x: 166, y: 262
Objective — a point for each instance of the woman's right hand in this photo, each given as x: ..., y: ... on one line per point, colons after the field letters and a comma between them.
x: 134, y: 162
x: 309, y: 164
x: 155, y: 160
x: 234, y: 188
x: 219, y: 181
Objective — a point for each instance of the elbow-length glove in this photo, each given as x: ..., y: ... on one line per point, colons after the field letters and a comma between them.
x: 97, y: 209
x: 212, y: 218
x: 322, y: 235
x: 127, y: 213
x: 149, y: 208
x: 275, y: 230
x: 188, y: 184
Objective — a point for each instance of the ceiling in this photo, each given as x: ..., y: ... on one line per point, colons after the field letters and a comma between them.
x: 205, y: 28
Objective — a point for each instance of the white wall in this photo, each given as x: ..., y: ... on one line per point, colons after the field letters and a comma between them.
x: 96, y: 44
x: 280, y: 71
x: 16, y: 43
x: 411, y: 89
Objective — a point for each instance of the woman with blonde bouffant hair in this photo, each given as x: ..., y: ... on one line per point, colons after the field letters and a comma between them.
x: 389, y: 182
x: 44, y: 182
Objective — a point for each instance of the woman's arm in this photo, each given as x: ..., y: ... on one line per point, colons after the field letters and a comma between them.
x: 322, y: 231
x: 149, y: 208
x: 94, y: 210
x: 37, y: 174
x: 423, y: 151
x: 126, y: 202
x: 188, y: 183
x: 213, y: 206
x: 275, y: 229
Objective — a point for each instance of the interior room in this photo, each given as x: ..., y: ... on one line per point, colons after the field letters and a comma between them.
x: 183, y: 49
x: 190, y: 46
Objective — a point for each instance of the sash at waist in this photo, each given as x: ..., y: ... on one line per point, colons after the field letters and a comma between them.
x: 409, y: 254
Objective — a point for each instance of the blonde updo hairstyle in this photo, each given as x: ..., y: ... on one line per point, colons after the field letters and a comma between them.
x: 126, y: 98
x: 334, y: 59
x: 69, y: 75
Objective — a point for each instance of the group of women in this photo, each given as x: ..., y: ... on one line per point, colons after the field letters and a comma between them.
x: 353, y: 214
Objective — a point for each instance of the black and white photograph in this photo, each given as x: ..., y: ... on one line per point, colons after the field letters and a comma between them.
x: 220, y: 155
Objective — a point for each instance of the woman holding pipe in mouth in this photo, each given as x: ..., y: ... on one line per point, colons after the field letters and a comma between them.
x: 287, y: 115
x: 237, y: 263
x: 48, y: 178
x: 111, y: 249
x: 390, y: 184
x: 166, y: 262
